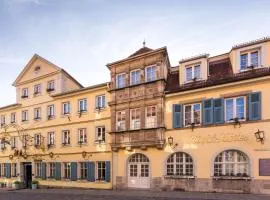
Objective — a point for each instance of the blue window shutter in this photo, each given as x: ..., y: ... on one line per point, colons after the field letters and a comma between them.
x: 108, y: 171
x: 43, y: 171
x: 57, y: 171
x: 208, y: 111
x: 91, y: 171
x: 254, y: 106
x: 8, y: 170
x: 219, y: 111
x: 177, y: 116
x: 73, y: 176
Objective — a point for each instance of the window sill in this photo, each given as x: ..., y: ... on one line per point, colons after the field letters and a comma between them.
x: 37, y: 119
x: 97, y: 142
x: 51, y: 118
x: 230, y: 178
x: 178, y: 177
x: 66, y: 145
x: 37, y: 95
x: 81, y: 113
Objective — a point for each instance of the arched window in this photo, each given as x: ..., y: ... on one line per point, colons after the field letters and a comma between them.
x: 179, y: 164
x: 231, y: 163
x: 138, y: 158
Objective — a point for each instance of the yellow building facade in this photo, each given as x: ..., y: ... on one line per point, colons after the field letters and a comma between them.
x: 199, y: 126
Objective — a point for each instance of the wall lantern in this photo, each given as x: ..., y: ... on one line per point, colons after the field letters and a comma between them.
x: 259, y: 136
x: 170, y: 140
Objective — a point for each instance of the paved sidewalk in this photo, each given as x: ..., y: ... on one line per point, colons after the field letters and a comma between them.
x: 70, y: 194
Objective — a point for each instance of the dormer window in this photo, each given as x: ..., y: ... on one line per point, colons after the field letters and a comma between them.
x: 24, y: 93
x: 120, y: 80
x: 50, y: 86
x: 193, y: 73
x: 249, y: 60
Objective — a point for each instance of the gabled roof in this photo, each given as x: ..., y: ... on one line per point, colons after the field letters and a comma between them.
x: 33, y: 59
x: 141, y: 51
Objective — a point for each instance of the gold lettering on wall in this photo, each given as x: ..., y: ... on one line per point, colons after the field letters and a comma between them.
x: 218, y: 138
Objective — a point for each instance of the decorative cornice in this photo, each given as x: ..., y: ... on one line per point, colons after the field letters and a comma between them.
x: 252, y: 42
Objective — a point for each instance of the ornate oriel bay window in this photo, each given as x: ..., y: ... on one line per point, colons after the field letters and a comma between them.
x: 231, y: 163
x: 179, y: 164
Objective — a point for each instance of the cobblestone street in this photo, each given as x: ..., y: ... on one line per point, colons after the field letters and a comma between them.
x: 71, y: 194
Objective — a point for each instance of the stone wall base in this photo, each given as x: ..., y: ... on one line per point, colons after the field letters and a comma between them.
x: 203, y: 185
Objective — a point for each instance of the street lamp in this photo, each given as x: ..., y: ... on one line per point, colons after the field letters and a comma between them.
x: 259, y: 136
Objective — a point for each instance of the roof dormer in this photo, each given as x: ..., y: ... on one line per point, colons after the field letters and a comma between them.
x: 193, y: 69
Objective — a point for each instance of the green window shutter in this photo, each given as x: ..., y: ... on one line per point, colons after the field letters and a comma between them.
x: 73, y: 176
x: 108, y: 171
x: 91, y: 171
x: 43, y: 171
x: 57, y: 171
x: 254, y: 106
x: 208, y: 111
x: 219, y: 111
x: 8, y: 170
x: 177, y: 116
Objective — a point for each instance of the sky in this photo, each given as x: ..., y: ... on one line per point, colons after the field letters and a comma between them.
x: 82, y: 36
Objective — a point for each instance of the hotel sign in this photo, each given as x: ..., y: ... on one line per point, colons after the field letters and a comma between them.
x: 264, y: 167
x: 218, y: 138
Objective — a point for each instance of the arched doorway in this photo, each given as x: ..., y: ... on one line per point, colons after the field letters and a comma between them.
x: 138, y: 171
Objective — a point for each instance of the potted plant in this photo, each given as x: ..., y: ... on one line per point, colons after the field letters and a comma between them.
x: 16, y: 185
x: 34, y: 184
x: 2, y: 185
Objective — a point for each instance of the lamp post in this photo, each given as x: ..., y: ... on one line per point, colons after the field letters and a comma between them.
x: 259, y: 136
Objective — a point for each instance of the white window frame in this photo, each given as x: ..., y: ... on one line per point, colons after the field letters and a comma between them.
x: 37, y: 89
x: 51, y: 170
x: 84, y: 105
x: 66, y: 170
x: 66, y: 140
x: 135, y: 123
x: 13, y: 142
x: 3, y: 120
x: 83, y: 168
x: 153, y: 77
x: 234, y: 108
x: 37, y: 113
x: 82, y: 136
x: 14, y: 170
x: 118, y: 85
x: 151, y: 121
x: 193, y: 72
x: 249, y: 52
x: 51, y: 85
x: 192, y: 114
x: 25, y: 116
x: 102, y: 131
x: 38, y: 171
x: 137, y: 79
x: 37, y: 139
x: 100, y: 102
x: 64, y: 104
x: 51, y: 111
x: 100, y: 168
x: 121, y: 125
x: 13, y: 118
x: 51, y: 138
x: 25, y: 93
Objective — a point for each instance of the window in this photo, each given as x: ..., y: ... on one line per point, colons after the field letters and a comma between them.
x: 121, y: 120
x: 193, y: 73
x: 192, y: 114
x: 66, y: 137
x: 50, y: 111
x: 82, y: 136
x: 2, y: 144
x: 82, y: 105
x: 249, y: 59
x: 3, y: 120
x: 13, y: 118
x: 37, y: 89
x: 67, y: 170
x: 151, y: 73
x: 231, y: 163
x: 135, y: 118
x: 180, y: 164
x: 101, y: 170
x: 51, y: 138
x: 120, y: 80
x: 51, y: 170
x: 37, y: 139
x: 151, y: 117
x: 38, y: 170
x: 24, y: 141
x: 83, y: 170
x: 100, y: 102
x: 135, y: 77
x: 24, y: 93
x: 100, y: 134
x: 37, y: 113
x: 13, y: 169
x: 65, y: 108
x: 4, y: 170
x: 50, y: 86
x: 24, y: 115
x: 235, y: 108
x: 13, y: 142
